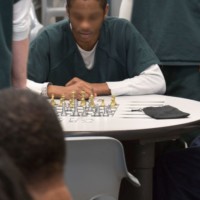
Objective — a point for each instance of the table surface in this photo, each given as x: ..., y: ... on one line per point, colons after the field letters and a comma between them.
x: 126, y: 124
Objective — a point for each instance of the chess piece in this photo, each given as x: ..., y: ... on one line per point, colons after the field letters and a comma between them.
x: 63, y: 112
x: 84, y: 113
x: 102, y: 103
x: 75, y: 112
x: 72, y: 100
x: 91, y: 101
x: 113, y: 102
x: 53, y: 103
x: 62, y: 100
x: 97, y: 112
x: 71, y: 103
x: 105, y: 113
x: 83, y: 102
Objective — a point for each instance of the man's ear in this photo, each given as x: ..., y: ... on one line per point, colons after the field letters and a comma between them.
x: 67, y: 11
x: 107, y: 10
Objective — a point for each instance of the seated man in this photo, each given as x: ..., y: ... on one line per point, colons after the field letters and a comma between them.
x: 92, y: 52
x: 32, y: 136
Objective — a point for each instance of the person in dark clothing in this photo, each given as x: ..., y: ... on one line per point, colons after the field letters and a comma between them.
x: 14, y: 32
x: 172, y: 30
x: 92, y: 52
x: 32, y: 136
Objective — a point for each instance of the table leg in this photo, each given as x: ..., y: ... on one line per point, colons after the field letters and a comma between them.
x: 140, y: 162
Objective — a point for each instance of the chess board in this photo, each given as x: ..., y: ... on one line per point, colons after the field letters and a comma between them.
x: 98, y: 107
x: 106, y: 107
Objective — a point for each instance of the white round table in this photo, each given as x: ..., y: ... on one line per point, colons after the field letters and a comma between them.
x: 142, y: 130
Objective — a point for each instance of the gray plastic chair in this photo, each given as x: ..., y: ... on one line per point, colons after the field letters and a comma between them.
x: 95, y: 167
x: 126, y: 9
x: 114, y: 7
x: 52, y: 9
x: 36, y: 27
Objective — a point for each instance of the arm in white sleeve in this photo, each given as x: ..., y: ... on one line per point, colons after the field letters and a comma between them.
x: 39, y: 88
x: 21, y: 20
x: 150, y: 81
x: 20, y: 44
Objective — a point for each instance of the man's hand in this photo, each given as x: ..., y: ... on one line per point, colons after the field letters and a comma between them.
x: 79, y: 85
x: 59, y: 91
x: 89, y: 88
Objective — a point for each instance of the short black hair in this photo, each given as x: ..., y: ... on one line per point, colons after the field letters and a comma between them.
x: 31, y: 134
x: 103, y: 3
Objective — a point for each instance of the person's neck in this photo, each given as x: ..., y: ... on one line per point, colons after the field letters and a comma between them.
x: 60, y: 193
x: 87, y: 46
x: 50, y: 191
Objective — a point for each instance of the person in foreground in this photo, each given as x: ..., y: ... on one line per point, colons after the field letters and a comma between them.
x: 32, y: 136
x: 92, y: 52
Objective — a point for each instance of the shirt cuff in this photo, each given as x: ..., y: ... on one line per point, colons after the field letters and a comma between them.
x: 118, y: 88
x: 39, y: 88
x: 45, y: 89
x: 18, y: 36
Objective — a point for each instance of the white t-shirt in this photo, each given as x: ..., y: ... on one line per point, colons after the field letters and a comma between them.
x: 21, y: 20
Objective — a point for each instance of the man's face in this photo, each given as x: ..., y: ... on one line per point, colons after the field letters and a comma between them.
x: 86, y: 17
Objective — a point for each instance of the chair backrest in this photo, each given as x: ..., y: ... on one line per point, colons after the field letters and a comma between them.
x: 126, y: 9
x: 52, y: 9
x: 95, y: 167
x: 114, y: 7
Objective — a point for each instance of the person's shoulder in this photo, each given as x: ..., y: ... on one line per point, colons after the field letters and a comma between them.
x: 53, y: 31
x: 58, y: 26
x: 115, y: 21
x: 116, y: 24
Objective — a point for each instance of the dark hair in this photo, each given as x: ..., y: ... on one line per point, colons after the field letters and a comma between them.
x: 31, y: 134
x: 103, y: 3
x: 12, y: 184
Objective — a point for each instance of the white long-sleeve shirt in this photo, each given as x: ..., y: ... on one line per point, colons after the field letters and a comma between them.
x: 150, y: 81
x: 21, y: 20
